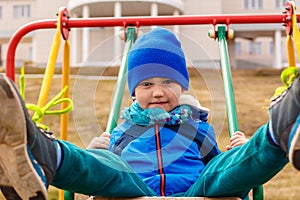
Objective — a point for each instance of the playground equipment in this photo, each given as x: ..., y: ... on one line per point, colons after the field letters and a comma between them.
x: 220, y: 32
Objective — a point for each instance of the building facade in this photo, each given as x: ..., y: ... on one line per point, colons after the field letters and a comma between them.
x: 254, y: 45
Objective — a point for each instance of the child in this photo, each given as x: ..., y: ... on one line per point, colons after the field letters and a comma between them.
x: 161, y: 149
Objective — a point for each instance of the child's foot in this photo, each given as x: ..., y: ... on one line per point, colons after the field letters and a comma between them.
x: 28, y: 157
x: 284, y: 112
x: 294, y: 144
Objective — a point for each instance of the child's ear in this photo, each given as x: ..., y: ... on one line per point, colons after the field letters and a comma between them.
x: 183, y: 90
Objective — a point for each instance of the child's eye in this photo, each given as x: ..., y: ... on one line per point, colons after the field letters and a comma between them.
x: 145, y: 84
x: 168, y: 81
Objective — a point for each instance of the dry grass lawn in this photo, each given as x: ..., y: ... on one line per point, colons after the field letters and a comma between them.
x: 92, y: 102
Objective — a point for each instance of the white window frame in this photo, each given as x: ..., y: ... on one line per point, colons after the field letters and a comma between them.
x: 253, y: 4
x: 21, y: 11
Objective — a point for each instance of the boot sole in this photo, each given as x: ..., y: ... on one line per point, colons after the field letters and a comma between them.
x: 294, y: 150
x: 18, y: 178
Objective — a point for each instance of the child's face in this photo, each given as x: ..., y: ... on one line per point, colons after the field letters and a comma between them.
x: 158, y: 93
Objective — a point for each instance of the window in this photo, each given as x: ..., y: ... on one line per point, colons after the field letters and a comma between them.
x: 253, y: 4
x: 30, y: 53
x: 21, y: 11
x: 238, y: 48
x: 271, y: 48
x: 280, y: 4
x: 1, y: 12
x: 246, y: 4
x: 255, y: 48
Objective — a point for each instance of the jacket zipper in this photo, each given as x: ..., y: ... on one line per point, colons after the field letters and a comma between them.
x: 160, y: 161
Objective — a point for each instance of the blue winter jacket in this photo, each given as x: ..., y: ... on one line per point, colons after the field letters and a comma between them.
x: 169, y: 158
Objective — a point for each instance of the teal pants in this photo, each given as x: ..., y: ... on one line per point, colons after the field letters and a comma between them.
x: 232, y: 173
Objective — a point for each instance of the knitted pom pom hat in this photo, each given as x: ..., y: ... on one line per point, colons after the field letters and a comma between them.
x: 157, y: 53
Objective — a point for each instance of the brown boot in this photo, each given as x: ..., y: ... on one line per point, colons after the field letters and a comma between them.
x: 28, y: 156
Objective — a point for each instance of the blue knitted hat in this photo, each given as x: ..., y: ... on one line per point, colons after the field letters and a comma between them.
x: 157, y: 53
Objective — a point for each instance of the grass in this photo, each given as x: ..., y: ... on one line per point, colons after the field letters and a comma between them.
x: 253, y: 89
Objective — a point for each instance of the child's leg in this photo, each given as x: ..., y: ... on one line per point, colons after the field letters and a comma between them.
x: 98, y: 172
x: 235, y: 172
x: 28, y: 159
x: 284, y: 111
x: 294, y: 145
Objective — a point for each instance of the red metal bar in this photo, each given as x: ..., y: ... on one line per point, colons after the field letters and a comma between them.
x: 176, y: 20
x: 15, y: 39
x: 137, y: 21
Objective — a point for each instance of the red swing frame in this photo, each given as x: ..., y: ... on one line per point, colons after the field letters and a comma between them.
x: 66, y: 24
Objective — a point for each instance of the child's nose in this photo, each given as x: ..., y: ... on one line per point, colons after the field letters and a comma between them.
x: 158, y: 90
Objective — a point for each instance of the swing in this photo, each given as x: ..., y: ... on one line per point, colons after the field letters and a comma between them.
x: 221, y: 33
x: 130, y: 35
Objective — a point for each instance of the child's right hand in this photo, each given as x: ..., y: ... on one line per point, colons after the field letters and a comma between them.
x: 101, y: 142
x: 237, y: 139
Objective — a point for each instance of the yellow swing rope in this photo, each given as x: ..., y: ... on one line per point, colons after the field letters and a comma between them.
x: 43, y: 108
x: 50, y: 65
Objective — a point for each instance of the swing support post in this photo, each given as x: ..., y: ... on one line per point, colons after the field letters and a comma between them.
x: 222, y: 35
x: 119, y: 90
x: 226, y: 74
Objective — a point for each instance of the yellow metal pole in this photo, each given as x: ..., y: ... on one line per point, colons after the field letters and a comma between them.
x: 65, y: 82
x: 296, y: 32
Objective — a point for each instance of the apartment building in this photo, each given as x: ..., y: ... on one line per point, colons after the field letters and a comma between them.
x: 254, y: 45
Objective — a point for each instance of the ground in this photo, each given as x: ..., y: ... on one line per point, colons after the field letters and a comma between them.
x: 252, y: 89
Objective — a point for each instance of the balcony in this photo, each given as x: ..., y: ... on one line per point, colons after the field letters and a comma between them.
x: 105, y: 8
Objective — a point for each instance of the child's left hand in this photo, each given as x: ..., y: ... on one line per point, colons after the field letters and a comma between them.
x: 237, y: 139
x: 101, y: 142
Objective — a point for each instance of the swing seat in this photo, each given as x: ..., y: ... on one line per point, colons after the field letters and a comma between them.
x: 167, y: 198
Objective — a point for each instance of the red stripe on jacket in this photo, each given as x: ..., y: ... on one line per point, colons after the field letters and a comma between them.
x: 160, y: 161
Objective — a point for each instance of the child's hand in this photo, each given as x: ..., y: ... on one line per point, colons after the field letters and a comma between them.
x: 100, y: 142
x: 237, y: 139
